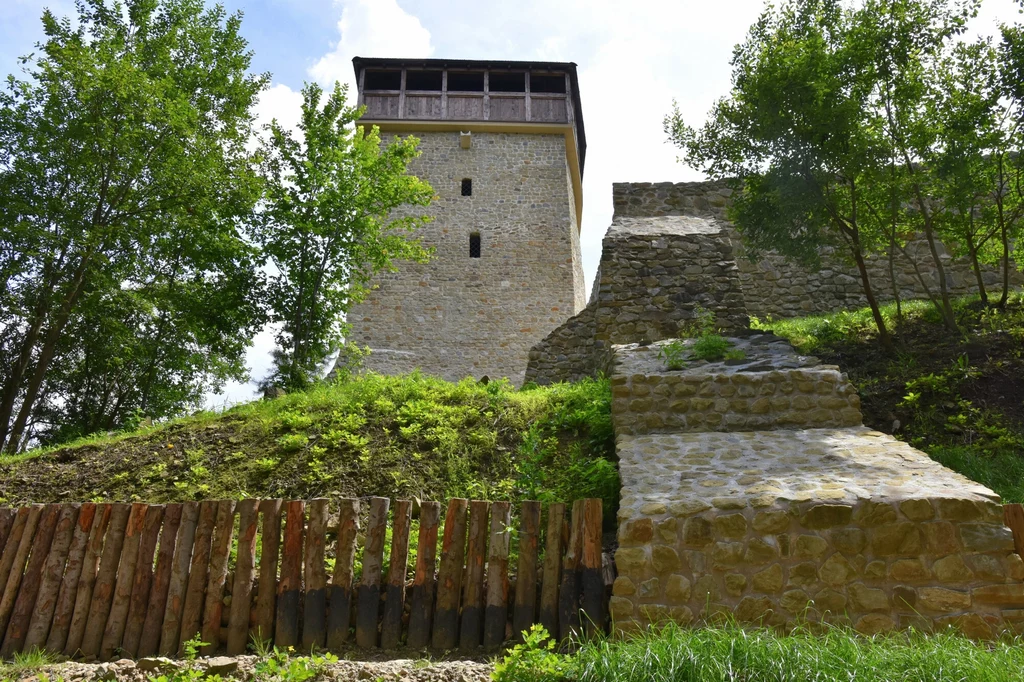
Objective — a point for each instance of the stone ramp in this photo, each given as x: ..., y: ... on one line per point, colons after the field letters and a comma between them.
x: 746, y: 513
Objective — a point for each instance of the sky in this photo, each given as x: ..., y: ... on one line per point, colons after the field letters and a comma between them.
x: 634, y: 59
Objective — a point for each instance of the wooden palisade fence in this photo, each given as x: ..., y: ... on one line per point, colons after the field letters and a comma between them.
x: 135, y: 580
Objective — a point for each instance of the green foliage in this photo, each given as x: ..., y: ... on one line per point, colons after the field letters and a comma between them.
x: 674, y: 354
x: 280, y: 666
x: 710, y: 347
x: 532, y: 660
x: 126, y: 285
x: 826, y: 654
x: 329, y: 226
x: 25, y: 664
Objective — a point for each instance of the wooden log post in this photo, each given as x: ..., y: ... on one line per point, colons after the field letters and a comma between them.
x: 270, y: 550
x: 340, y: 613
x: 13, y: 544
x: 449, y: 579
x: 149, y: 640
x: 1013, y: 514
x: 241, y: 591
x: 17, y: 567
x: 21, y: 614
x: 496, y: 611
x: 170, y: 631
x: 65, y: 608
x: 394, y: 592
x: 552, y: 568
x: 471, y: 631
x: 213, y: 610
x: 289, y: 590
x: 198, y: 575
x: 53, y: 574
x: 525, y: 611
x: 87, y: 582
x: 592, y: 599
x: 368, y: 592
x: 6, y: 521
x: 113, y: 632
x: 106, y: 581
x: 569, y: 591
x: 314, y: 611
x: 142, y: 581
x: 424, y: 583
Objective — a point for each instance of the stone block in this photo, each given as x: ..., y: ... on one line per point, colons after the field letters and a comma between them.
x: 987, y: 567
x: 830, y: 600
x: 706, y: 589
x: 952, y: 569
x: 908, y: 570
x: 769, y: 580
x: 727, y: 554
x: 904, y: 597
x: 754, y: 609
x: 822, y: 516
x: 735, y: 584
x: 732, y: 526
x: 649, y: 588
x: 771, y: 522
x: 864, y: 598
x: 632, y: 561
x: 760, y: 551
x: 986, y: 537
x: 971, y: 625
x: 803, y: 574
x: 637, y: 531
x: 677, y: 588
x: 653, y: 509
x: 836, y: 570
x: 688, y: 507
x: 917, y: 510
x: 849, y: 540
x: 942, y: 599
x: 666, y: 529
x: 810, y: 547
x: 623, y: 587
x: 902, y: 538
x: 697, y: 532
x: 871, y: 514
x: 874, y: 570
x: 940, y: 538
x: 1004, y: 596
x: 620, y: 608
x: 665, y: 559
x: 795, y: 601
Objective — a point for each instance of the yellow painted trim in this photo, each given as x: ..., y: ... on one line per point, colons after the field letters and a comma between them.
x: 566, y: 129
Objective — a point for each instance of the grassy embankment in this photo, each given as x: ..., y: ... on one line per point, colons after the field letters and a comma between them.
x: 410, y: 436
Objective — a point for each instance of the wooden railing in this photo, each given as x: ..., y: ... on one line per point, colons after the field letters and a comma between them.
x: 114, y: 580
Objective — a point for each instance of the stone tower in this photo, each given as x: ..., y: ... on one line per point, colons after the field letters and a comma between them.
x: 503, y: 147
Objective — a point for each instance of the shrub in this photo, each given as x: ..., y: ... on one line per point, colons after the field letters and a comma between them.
x: 673, y: 353
x: 710, y: 347
x: 534, y: 660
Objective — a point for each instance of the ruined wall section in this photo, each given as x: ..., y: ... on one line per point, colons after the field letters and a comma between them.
x: 654, y: 274
x: 780, y: 288
x: 458, y: 316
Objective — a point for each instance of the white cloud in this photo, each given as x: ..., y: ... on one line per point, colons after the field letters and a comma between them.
x: 371, y: 28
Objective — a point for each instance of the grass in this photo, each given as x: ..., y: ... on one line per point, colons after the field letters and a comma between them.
x: 730, y: 653
x: 398, y: 437
x: 25, y: 665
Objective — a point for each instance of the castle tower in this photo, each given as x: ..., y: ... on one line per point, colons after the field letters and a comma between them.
x: 503, y: 147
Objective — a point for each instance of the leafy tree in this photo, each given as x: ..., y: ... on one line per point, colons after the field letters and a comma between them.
x: 339, y: 209
x: 124, y: 185
x: 825, y: 130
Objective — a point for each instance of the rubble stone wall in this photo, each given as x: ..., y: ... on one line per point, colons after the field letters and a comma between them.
x: 780, y: 288
x: 654, y: 275
x: 777, y: 526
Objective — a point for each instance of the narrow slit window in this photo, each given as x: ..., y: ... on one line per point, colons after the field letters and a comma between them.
x: 474, y: 245
x: 467, y: 187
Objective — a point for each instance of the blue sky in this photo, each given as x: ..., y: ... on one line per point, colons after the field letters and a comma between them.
x: 634, y: 58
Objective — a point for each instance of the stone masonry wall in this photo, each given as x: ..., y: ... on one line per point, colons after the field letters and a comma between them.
x: 782, y: 525
x: 458, y: 316
x: 654, y: 272
x: 777, y: 287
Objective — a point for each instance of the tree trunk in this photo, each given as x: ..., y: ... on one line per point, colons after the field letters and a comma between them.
x: 972, y: 252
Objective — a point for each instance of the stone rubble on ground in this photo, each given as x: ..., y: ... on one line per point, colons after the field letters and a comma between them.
x: 243, y: 667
